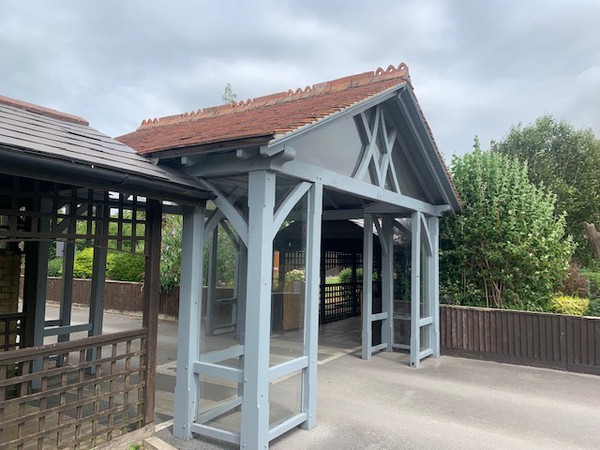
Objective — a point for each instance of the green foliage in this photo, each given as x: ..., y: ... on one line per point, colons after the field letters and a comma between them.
x: 84, y: 259
x: 123, y: 266
x: 55, y: 267
x: 594, y: 309
x: 295, y: 275
x: 567, y: 162
x: 508, y: 249
x: 345, y: 275
x: 120, y: 266
x: 574, y: 306
x: 170, y: 263
x: 575, y: 284
x: 170, y: 260
x: 593, y: 282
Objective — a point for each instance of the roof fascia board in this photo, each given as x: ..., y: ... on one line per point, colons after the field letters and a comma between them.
x: 214, y: 147
x: 356, y: 108
x: 41, y: 167
x: 406, y: 100
x: 346, y: 184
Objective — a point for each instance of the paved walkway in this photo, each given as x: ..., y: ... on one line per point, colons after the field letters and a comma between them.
x: 448, y: 403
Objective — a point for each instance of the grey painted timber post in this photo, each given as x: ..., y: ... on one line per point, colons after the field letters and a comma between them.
x: 66, y: 295
x: 190, y: 308
x: 255, y: 403
x: 151, y: 300
x: 415, y: 290
x: 311, y: 311
x: 98, y: 272
x: 434, y: 231
x: 387, y: 282
x: 212, y: 280
x: 42, y: 278
x: 241, y: 291
x: 367, y: 306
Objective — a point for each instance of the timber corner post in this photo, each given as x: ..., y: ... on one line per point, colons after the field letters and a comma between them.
x: 190, y: 306
x: 255, y: 406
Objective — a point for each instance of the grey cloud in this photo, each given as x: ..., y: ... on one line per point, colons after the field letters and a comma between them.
x: 478, y: 67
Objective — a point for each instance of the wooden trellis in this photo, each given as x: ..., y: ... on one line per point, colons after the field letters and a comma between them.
x: 34, y: 210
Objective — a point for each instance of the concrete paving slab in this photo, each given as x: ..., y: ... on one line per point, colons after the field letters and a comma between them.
x: 448, y: 403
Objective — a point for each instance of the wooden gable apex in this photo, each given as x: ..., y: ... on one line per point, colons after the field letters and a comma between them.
x: 384, y: 141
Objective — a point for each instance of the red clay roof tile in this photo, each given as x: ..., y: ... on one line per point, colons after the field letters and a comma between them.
x: 266, y: 116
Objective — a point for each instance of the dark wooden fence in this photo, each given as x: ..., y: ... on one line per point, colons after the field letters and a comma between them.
x: 545, y: 340
x: 123, y: 295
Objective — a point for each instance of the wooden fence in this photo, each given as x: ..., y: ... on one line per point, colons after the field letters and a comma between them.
x: 123, y: 295
x: 76, y: 394
x: 538, y: 339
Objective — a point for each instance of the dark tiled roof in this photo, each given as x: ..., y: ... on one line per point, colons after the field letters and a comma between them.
x: 48, y: 112
x: 28, y: 129
x: 267, y: 116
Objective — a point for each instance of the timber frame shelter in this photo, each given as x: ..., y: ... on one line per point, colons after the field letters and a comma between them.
x: 63, y: 182
x: 354, y: 148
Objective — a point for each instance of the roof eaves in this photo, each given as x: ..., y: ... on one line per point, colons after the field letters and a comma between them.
x: 210, y: 147
x: 173, y: 186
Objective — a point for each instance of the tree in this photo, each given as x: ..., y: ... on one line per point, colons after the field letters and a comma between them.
x: 567, y: 162
x: 228, y: 95
x: 507, y: 249
x: 170, y: 262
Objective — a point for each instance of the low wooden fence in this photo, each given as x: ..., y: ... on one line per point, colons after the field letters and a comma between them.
x: 118, y: 295
x: 123, y: 295
x: 538, y: 339
x: 76, y: 394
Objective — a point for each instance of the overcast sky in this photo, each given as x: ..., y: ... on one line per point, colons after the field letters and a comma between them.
x: 477, y: 66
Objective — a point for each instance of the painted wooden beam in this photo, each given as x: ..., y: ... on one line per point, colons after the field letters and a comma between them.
x: 189, y: 329
x: 415, y: 290
x: 367, y: 306
x: 311, y: 309
x: 255, y: 404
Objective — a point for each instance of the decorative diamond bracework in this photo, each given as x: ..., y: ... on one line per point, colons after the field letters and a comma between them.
x: 377, y: 150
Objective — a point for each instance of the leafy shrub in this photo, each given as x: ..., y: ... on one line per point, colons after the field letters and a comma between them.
x: 508, y: 248
x: 345, y: 275
x: 593, y: 279
x: 55, y: 266
x: 574, y: 306
x: 124, y: 266
x: 295, y: 275
x: 594, y: 309
x: 576, y: 284
x: 170, y: 261
x: 84, y: 259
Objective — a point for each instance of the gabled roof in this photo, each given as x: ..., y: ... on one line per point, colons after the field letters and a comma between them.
x: 52, y: 144
x: 263, y: 118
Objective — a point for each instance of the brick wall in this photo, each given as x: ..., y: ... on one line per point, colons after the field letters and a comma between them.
x: 10, y: 270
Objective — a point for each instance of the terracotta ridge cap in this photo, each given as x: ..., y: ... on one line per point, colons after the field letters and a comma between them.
x: 42, y: 110
x: 327, y: 87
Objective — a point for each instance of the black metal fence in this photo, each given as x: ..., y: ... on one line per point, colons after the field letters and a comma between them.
x: 340, y: 301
